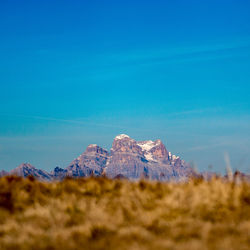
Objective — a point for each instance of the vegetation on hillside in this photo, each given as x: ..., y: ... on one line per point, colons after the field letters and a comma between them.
x: 99, y: 213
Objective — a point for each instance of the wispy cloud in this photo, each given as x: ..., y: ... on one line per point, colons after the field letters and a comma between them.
x: 78, y: 122
x: 206, y: 147
x: 223, y: 141
x: 196, y: 111
x: 108, y: 66
x: 161, y: 55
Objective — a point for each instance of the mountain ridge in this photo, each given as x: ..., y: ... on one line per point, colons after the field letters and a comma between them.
x: 127, y: 158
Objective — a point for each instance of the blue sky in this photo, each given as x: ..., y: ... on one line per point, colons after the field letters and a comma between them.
x: 79, y: 72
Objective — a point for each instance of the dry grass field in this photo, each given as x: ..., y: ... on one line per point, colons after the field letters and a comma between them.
x: 98, y: 213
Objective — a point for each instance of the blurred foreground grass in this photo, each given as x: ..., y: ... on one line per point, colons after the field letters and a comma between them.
x: 98, y: 213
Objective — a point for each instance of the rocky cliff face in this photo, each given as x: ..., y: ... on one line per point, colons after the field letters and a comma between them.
x: 90, y: 163
x: 127, y: 159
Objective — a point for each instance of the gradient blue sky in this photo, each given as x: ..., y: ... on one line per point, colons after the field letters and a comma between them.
x: 79, y: 72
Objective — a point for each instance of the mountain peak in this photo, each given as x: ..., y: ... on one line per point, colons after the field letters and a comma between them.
x: 94, y: 148
x: 123, y: 143
x: 121, y: 136
x: 25, y: 165
x: 26, y: 169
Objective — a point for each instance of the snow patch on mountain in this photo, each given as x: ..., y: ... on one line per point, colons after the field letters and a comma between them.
x: 146, y: 146
x: 121, y: 136
x: 149, y: 156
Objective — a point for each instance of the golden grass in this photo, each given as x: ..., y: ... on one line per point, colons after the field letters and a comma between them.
x: 98, y: 213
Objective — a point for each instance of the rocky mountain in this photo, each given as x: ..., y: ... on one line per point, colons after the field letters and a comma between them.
x: 27, y: 169
x: 127, y: 158
x: 144, y: 159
